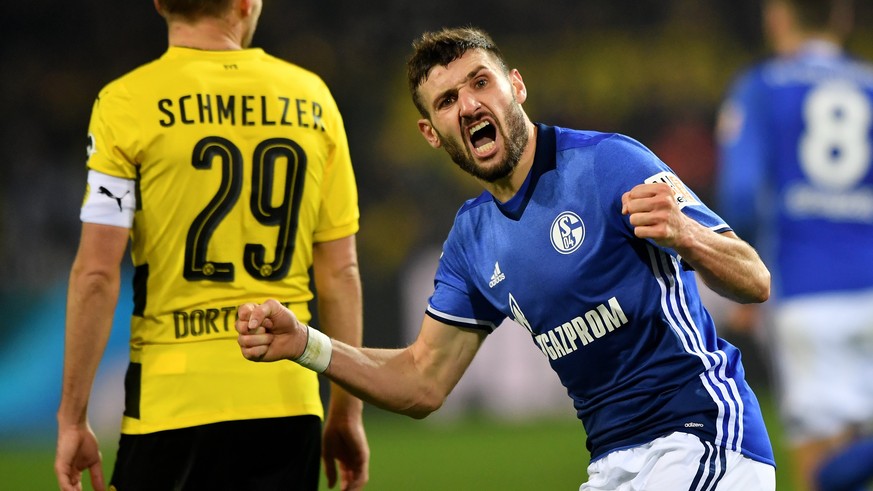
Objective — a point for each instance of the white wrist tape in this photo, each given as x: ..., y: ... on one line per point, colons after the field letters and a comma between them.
x: 316, y: 355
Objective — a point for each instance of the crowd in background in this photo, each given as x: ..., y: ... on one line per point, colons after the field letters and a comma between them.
x: 653, y: 69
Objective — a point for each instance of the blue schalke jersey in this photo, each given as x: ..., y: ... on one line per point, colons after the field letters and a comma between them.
x: 619, y: 318
x: 795, y: 177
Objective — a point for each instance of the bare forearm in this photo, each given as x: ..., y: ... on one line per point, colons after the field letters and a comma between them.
x: 340, y: 315
x: 341, y: 319
x: 728, y: 265
x: 91, y: 299
x: 90, y: 307
x: 340, y: 311
x: 387, y: 378
x: 414, y: 380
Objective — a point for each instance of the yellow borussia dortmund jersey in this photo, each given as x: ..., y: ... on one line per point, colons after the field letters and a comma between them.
x: 241, y: 163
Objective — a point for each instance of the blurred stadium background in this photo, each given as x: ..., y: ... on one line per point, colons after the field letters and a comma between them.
x: 653, y: 69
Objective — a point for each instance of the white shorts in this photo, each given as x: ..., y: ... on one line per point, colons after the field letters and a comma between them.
x: 823, y: 354
x: 678, y: 462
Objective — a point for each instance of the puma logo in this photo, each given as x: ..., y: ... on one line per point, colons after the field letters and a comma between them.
x: 117, y: 199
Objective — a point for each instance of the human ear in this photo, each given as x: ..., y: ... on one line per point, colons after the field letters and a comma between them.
x: 429, y: 133
x: 246, y: 7
x: 518, y: 87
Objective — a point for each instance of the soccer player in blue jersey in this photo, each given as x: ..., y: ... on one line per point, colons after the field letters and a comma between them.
x: 591, y: 243
x: 796, y: 134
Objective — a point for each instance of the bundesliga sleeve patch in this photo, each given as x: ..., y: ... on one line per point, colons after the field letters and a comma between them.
x: 683, y: 195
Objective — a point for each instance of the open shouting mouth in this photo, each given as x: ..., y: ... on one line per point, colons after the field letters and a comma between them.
x: 483, y: 136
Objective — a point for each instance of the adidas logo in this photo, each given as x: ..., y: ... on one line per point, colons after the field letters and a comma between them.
x: 496, y: 277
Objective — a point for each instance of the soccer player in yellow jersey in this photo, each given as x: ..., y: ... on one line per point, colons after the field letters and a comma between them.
x: 228, y: 171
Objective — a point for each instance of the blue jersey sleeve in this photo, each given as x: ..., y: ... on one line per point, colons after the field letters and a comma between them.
x: 455, y: 299
x: 623, y: 163
x: 742, y: 153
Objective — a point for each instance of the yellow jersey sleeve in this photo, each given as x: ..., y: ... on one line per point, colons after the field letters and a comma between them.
x: 339, y: 216
x: 112, y: 143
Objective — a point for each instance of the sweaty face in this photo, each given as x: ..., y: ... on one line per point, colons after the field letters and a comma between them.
x: 476, y: 115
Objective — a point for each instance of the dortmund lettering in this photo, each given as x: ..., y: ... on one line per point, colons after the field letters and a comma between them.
x: 205, y: 322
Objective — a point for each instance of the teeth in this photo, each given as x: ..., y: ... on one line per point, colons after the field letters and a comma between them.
x: 478, y: 127
x: 486, y: 147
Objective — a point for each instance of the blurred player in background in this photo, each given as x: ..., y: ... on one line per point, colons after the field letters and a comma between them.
x: 229, y: 170
x: 588, y: 241
x: 850, y: 469
x: 795, y: 178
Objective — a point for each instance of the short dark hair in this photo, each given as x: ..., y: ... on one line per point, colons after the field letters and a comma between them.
x: 817, y: 14
x: 195, y: 9
x: 439, y: 48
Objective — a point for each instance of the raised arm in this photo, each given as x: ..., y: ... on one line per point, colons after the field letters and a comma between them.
x: 338, y: 284
x: 413, y: 381
x: 726, y: 264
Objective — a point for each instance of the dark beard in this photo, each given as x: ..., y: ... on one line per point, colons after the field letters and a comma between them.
x: 514, y: 144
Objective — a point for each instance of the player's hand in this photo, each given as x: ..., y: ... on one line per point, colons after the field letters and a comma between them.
x: 270, y: 332
x: 78, y: 450
x: 345, y: 443
x: 655, y: 214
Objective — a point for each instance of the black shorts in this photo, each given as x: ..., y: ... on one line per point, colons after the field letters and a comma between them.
x: 250, y: 455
